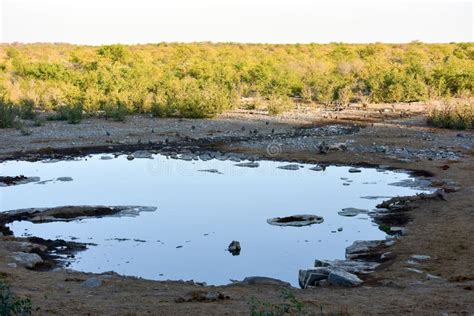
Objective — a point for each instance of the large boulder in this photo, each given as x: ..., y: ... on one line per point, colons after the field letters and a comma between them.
x: 340, y: 277
x: 257, y: 280
x: 27, y: 260
x: 311, y: 277
x: 366, y: 249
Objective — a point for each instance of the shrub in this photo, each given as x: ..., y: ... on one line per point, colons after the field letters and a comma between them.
x: 12, y: 305
x: 27, y: 109
x: 7, y: 114
x: 459, y: 115
x: 71, y: 113
x: 290, y: 306
x: 117, y: 112
x: 278, y: 105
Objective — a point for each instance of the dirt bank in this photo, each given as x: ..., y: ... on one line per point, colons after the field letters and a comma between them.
x: 441, y: 229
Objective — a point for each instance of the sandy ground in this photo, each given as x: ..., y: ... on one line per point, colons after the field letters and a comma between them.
x: 443, y: 230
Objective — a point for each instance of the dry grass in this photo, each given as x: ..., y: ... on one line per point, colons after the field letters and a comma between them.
x: 455, y: 114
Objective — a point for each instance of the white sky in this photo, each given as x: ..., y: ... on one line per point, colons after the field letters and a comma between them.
x: 270, y: 21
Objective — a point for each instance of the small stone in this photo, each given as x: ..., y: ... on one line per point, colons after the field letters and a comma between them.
x: 64, y: 179
x: 354, y: 170
x: 420, y: 257
x: 339, y: 229
x: 92, y: 282
x: 130, y: 157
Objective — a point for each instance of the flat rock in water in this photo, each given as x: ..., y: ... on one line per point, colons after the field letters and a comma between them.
x: 211, y: 171
x: 106, y: 157
x: 340, y: 277
x: 316, y: 168
x: 143, y: 154
x: 295, y: 220
x: 354, y: 170
x: 64, y: 179
x: 290, y: 167
x: 350, y: 211
x: 7, y: 181
x: 248, y: 164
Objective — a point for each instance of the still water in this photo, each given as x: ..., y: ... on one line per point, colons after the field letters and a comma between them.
x: 200, y: 212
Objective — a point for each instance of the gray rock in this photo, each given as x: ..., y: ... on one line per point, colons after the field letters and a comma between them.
x: 351, y: 266
x: 296, y: 220
x: 351, y: 211
x: 354, y: 170
x: 365, y: 248
x: 106, y: 157
x: 92, y: 282
x: 64, y: 179
x: 130, y: 157
x: 420, y: 257
x: 248, y: 164
x: 316, y: 168
x: 143, y: 154
x: 310, y: 277
x: 290, y: 167
x: 211, y: 171
x: 256, y: 280
x: 340, y: 277
x: 12, y: 265
x: 27, y: 260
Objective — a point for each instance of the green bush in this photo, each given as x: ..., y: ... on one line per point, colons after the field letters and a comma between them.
x: 27, y: 109
x: 12, y: 305
x: 71, y: 113
x: 117, y: 112
x: 7, y: 114
x: 455, y: 116
x: 203, y: 79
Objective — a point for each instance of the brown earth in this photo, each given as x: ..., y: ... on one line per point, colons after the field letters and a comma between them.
x: 444, y: 230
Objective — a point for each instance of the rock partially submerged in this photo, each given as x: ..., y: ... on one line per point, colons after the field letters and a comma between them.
x: 290, y: 167
x: 234, y: 248
x: 7, y: 181
x: 69, y: 213
x: 295, y: 220
x: 248, y: 164
x: 351, y: 211
x: 211, y: 171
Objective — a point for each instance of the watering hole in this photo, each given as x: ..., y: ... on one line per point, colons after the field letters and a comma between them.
x: 201, y: 206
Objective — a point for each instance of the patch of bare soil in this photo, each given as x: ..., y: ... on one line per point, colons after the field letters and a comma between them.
x: 430, y: 270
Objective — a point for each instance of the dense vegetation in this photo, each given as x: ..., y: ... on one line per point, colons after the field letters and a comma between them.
x: 203, y: 79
